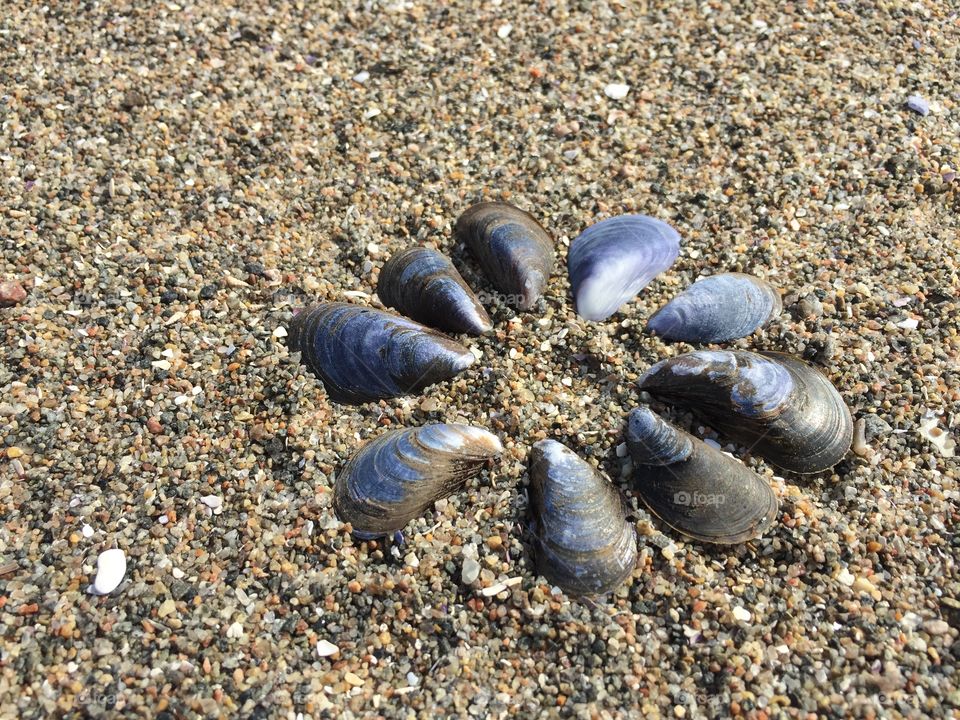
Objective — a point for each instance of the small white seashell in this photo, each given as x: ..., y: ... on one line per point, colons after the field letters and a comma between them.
x: 280, y: 332
x: 908, y: 324
x: 87, y: 531
x: 361, y: 77
x: 938, y: 437
x: 503, y: 32
x: 616, y: 91
x: 111, y: 567
x: 326, y: 648
x: 742, y: 614
x: 235, y: 631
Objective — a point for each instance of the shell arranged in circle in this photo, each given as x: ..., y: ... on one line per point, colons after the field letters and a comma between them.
x: 397, y: 476
x: 774, y: 404
x: 583, y: 542
x: 614, y: 259
x: 718, y: 308
x: 694, y: 488
x: 423, y: 284
x: 364, y: 354
x: 516, y: 253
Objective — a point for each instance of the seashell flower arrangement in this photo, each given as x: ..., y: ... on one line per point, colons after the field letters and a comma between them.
x: 583, y: 541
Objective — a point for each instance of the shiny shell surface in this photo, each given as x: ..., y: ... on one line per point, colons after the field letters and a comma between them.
x: 516, y: 253
x: 583, y: 542
x: 364, y: 354
x: 423, y: 284
x: 774, y: 404
x: 400, y: 474
x: 716, y: 309
x: 614, y: 259
x: 694, y: 488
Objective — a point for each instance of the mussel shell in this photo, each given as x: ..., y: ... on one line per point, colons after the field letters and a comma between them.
x: 774, y: 404
x: 583, y: 542
x: 397, y: 476
x: 614, y: 259
x: 718, y: 308
x: 364, y: 354
x: 516, y: 253
x: 423, y: 284
x: 694, y: 488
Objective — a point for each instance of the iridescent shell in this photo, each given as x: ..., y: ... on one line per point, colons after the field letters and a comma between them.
x: 613, y: 260
x: 397, y: 476
x: 694, y: 488
x: 718, y: 308
x: 774, y: 404
x: 364, y: 354
x: 516, y: 253
x: 584, y: 544
x: 423, y: 284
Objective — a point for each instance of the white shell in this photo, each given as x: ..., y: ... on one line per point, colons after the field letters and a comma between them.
x: 111, y: 567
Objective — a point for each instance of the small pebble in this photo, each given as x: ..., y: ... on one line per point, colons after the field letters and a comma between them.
x: 353, y: 679
x: 212, y: 501
x: 470, y: 571
x: 11, y: 293
x: 111, y: 568
x: 616, y: 91
x: 918, y: 105
x: 936, y: 627
x: 326, y: 648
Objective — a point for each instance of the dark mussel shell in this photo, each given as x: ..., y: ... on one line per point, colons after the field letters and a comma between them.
x: 774, y: 404
x: 583, y: 542
x: 423, y: 284
x: 716, y: 309
x: 397, y: 476
x: 694, y: 488
x: 614, y: 259
x: 516, y: 253
x: 364, y: 354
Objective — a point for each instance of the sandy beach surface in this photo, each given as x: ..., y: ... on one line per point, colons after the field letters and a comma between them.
x: 178, y: 177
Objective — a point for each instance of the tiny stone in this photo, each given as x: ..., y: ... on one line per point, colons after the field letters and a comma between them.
x: 616, y: 91
x: 936, y: 627
x: 470, y: 571
x: 918, y: 105
x: 11, y: 293
x: 211, y: 501
x: 326, y: 648
x: 742, y: 614
x: 353, y: 679
x: 845, y: 577
x: 167, y: 607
